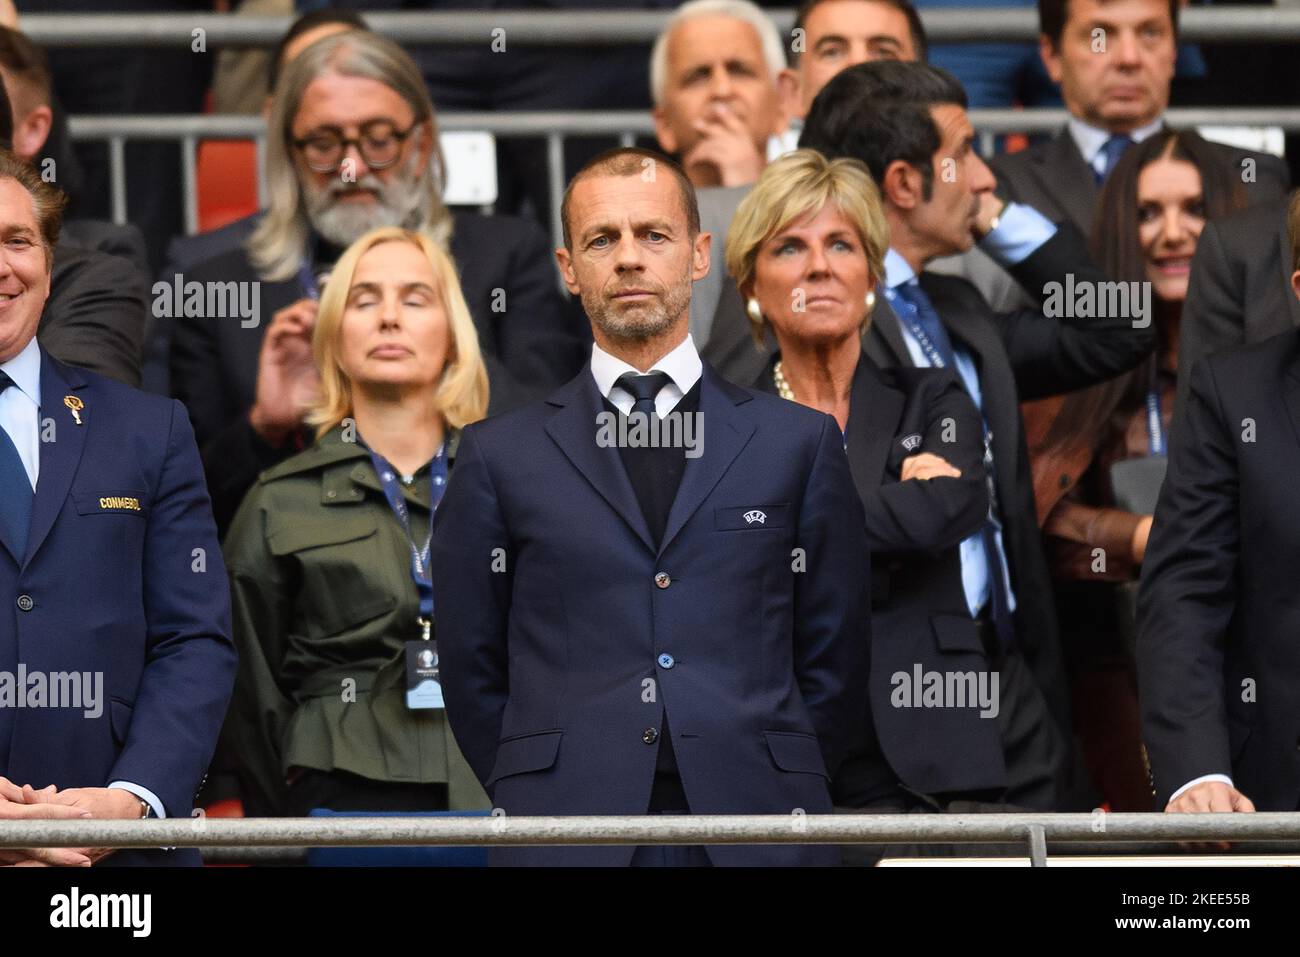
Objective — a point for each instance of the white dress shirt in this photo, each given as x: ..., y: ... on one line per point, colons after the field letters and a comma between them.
x: 682, y: 366
x: 20, y: 416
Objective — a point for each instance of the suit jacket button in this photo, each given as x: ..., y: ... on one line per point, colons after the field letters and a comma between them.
x: 662, y: 580
x: 25, y: 603
x: 666, y: 661
x: 650, y: 735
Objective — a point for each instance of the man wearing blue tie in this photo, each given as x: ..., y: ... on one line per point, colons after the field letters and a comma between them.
x: 116, y: 661
x: 631, y: 624
x: 908, y: 123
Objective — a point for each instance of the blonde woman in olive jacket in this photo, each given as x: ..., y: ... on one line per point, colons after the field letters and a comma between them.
x: 327, y: 555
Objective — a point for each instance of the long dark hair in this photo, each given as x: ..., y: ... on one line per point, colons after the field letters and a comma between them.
x: 1115, y: 247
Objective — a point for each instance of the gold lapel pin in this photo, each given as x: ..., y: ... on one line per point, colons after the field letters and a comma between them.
x: 75, y: 406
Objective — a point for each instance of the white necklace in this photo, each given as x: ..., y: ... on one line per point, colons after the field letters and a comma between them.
x: 782, y: 387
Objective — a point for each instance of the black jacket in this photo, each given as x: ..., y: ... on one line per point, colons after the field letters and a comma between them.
x: 1218, y: 609
x: 529, y: 347
x: 1240, y: 289
x: 919, y: 614
x: 1024, y: 355
x: 95, y: 316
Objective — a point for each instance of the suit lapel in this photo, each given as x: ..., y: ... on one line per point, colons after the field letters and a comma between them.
x: 1062, y: 173
x: 573, y: 428
x: 725, y: 432
x: 874, y: 411
x: 60, y: 457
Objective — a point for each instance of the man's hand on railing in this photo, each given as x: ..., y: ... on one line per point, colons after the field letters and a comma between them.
x: 1209, y: 796
x: 14, y: 807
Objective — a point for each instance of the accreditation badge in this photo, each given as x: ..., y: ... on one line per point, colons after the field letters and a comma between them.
x: 423, y: 682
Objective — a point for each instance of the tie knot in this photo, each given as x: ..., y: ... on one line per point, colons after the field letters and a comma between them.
x: 1112, y: 150
x: 643, y: 387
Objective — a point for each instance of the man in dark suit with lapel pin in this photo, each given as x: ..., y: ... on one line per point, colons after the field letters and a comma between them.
x: 1240, y: 288
x: 1218, y: 610
x: 907, y: 122
x: 628, y: 627
x: 1116, y: 89
x: 116, y: 661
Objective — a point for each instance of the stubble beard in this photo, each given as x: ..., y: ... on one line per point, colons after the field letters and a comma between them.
x: 638, y: 323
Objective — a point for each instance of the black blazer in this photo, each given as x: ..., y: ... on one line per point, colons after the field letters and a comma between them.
x: 1024, y: 355
x: 530, y: 347
x: 919, y: 614
x: 1218, y: 608
x: 1240, y: 289
x: 1054, y: 178
x: 95, y: 316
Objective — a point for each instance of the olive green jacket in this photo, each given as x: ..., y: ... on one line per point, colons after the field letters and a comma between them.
x: 323, y: 605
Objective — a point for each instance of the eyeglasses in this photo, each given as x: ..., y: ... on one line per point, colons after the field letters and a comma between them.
x: 379, y: 144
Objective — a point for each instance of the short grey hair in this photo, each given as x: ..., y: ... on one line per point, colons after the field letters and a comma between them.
x: 276, y: 247
x: 743, y: 10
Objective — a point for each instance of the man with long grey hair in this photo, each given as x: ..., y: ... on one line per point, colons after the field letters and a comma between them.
x: 352, y: 145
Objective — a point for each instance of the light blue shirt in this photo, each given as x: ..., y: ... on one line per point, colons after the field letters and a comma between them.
x: 20, y: 408
x: 976, y: 581
x: 1090, y: 139
x: 20, y: 416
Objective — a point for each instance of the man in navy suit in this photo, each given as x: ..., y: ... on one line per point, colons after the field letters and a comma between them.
x: 116, y: 661
x: 629, y: 627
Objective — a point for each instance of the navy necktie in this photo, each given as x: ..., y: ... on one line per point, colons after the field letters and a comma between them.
x: 643, y: 389
x: 930, y: 324
x: 15, y: 488
x: 1111, y: 151
x: 936, y: 344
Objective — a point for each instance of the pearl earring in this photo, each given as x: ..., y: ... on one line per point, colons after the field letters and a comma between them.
x: 755, y: 313
x: 871, y: 301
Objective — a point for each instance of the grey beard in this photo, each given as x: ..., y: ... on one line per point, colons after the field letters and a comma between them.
x: 636, y: 325
x: 397, y: 204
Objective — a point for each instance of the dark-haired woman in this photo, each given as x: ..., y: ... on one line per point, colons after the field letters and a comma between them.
x: 1098, y: 454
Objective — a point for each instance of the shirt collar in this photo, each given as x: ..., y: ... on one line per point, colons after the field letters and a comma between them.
x: 682, y: 365
x: 25, y: 370
x: 1090, y: 139
x: 897, y: 271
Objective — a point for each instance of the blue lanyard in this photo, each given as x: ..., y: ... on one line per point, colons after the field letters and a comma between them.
x: 393, y: 492
x: 1155, y: 425
x: 307, y: 279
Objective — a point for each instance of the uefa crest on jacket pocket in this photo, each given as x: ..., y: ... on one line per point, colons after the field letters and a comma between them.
x: 751, y: 517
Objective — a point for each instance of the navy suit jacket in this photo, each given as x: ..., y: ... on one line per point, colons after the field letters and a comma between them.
x: 554, y: 668
x: 122, y: 590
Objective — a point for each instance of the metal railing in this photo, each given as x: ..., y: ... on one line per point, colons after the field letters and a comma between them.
x: 1032, y: 830
x: 592, y: 27
x: 555, y: 127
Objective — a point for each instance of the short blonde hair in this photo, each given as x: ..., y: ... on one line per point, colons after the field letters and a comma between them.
x: 463, y: 391
x: 799, y: 184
